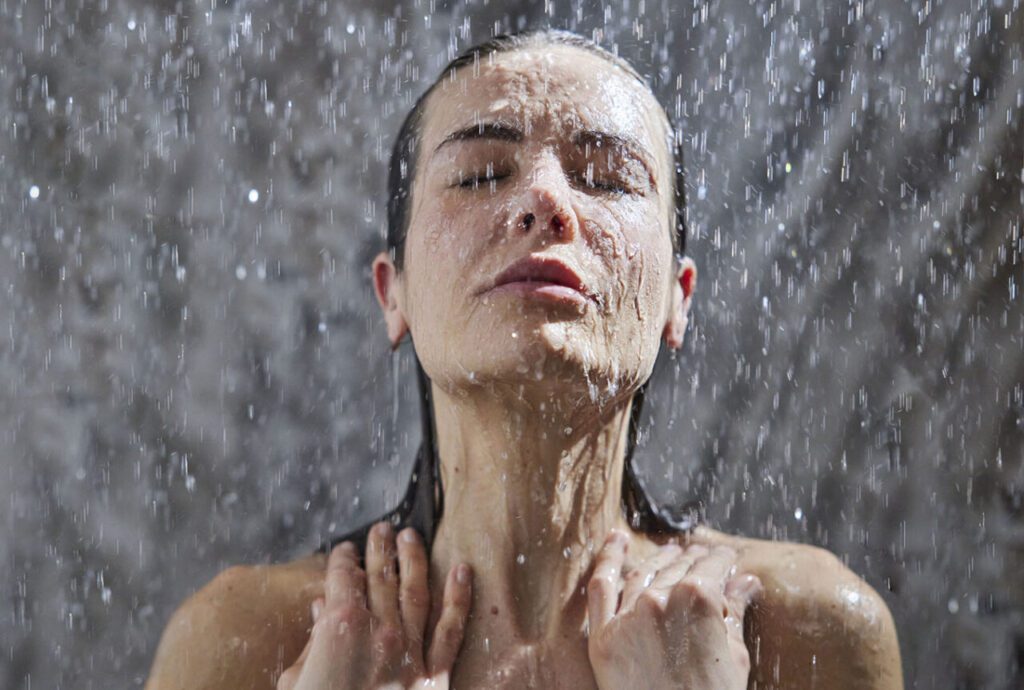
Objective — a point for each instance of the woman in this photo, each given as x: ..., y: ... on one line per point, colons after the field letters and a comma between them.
x: 535, y: 251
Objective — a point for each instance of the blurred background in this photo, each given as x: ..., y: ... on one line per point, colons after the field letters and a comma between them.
x: 195, y: 373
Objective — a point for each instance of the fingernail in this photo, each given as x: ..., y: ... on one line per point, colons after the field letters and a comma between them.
x: 384, y: 529
x: 462, y: 573
x: 408, y: 535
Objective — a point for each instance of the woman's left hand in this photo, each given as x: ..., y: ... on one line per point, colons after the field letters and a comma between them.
x: 680, y: 623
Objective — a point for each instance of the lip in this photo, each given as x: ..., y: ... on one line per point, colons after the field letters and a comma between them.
x: 542, y: 277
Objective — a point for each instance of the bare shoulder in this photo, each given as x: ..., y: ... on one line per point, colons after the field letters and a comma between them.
x: 241, y: 629
x: 817, y: 623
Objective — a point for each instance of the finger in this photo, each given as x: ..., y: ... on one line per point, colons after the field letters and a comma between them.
x: 701, y: 593
x: 677, y: 570
x: 740, y: 591
x: 451, y: 626
x: 414, y: 592
x: 345, y: 581
x: 640, y: 578
x: 713, y: 569
x: 603, y: 586
x: 382, y: 575
x: 316, y: 607
x: 291, y: 675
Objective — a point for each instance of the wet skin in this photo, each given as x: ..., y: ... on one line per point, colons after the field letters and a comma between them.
x: 531, y: 400
x: 816, y: 624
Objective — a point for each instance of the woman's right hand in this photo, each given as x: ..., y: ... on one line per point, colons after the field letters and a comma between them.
x: 368, y: 630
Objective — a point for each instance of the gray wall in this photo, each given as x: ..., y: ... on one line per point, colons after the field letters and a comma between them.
x: 193, y: 379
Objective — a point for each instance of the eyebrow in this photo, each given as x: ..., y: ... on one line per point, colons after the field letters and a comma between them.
x: 501, y: 131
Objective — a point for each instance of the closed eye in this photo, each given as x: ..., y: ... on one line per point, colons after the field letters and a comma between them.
x: 603, y: 186
x: 475, y: 181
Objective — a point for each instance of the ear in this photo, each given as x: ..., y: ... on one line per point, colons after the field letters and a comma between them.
x: 682, y: 296
x: 385, y: 286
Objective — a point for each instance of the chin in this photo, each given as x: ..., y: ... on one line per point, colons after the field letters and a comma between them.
x: 548, y: 359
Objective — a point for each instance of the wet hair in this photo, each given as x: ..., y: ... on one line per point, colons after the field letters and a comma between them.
x: 404, y: 155
x: 423, y: 501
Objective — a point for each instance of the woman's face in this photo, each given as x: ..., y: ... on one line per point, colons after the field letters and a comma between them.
x: 600, y: 204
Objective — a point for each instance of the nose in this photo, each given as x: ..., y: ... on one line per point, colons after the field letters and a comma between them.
x: 546, y: 204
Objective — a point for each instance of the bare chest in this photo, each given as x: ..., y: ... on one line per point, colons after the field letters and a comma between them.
x: 565, y: 666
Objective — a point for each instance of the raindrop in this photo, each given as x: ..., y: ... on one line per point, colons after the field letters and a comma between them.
x: 240, y: 272
x: 33, y: 192
x: 798, y: 514
x: 520, y: 559
x: 254, y: 196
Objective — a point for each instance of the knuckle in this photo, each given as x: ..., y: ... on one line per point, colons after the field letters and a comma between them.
x: 415, y: 593
x: 451, y: 633
x: 389, y: 639
x: 698, y: 597
x: 345, y: 617
x: 385, y: 574
x: 600, y: 649
x: 649, y: 603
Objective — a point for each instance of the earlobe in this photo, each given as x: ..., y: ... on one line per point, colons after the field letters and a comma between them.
x: 682, y: 296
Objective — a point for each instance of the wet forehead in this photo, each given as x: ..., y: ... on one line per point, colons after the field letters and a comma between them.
x: 549, y: 93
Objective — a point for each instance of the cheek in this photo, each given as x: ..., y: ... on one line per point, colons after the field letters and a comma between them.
x: 626, y: 242
x: 443, y: 254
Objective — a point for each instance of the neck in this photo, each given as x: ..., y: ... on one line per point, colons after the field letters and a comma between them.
x: 530, y: 493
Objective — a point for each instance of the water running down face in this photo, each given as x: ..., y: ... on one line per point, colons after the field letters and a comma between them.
x: 552, y: 153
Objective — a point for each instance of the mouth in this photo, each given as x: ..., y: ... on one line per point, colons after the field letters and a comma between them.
x: 542, y: 277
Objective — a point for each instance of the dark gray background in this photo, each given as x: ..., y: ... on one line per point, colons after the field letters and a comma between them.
x: 192, y: 379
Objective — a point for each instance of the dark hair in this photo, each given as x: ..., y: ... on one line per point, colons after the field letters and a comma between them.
x: 423, y: 503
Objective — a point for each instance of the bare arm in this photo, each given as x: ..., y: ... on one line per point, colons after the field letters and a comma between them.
x: 833, y: 631
x: 238, y: 631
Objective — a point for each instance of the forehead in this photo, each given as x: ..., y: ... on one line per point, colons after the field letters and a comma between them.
x: 548, y: 92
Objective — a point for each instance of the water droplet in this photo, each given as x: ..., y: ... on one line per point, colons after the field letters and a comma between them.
x: 33, y: 192
x: 953, y: 605
x: 520, y: 559
x: 254, y: 196
x: 798, y: 514
x: 240, y: 272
